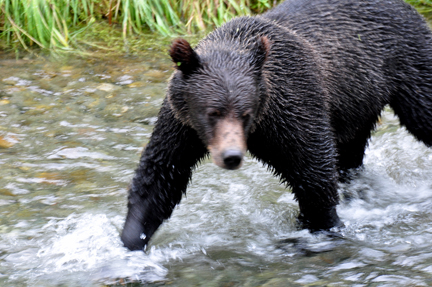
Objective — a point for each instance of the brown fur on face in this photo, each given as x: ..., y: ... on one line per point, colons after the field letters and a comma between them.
x: 228, y: 136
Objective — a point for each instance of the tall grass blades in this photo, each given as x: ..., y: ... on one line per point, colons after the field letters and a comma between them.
x: 55, y: 24
x: 45, y: 23
x: 157, y: 15
x: 201, y: 15
x: 52, y: 24
x: 168, y: 17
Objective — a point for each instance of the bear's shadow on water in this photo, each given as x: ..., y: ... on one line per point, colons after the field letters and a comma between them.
x: 304, y: 246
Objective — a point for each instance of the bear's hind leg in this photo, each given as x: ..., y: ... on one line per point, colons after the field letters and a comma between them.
x: 412, y: 96
x: 413, y: 106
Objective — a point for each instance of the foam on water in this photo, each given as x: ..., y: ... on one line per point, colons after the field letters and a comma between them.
x: 80, y: 249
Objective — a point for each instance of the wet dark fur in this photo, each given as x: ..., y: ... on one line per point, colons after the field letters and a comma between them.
x: 315, y: 75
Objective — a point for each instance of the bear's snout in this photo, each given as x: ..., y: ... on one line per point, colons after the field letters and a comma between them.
x: 228, y: 145
x: 232, y: 158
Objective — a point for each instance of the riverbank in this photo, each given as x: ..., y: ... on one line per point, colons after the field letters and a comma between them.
x: 99, y: 28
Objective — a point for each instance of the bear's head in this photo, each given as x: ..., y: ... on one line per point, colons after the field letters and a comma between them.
x: 217, y: 90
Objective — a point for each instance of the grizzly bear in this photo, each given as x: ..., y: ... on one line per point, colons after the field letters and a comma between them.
x: 300, y: 87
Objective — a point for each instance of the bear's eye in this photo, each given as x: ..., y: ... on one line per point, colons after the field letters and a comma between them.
x: 214, y: 114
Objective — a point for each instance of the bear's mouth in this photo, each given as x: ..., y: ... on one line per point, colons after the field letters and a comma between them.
x: 228, y: 145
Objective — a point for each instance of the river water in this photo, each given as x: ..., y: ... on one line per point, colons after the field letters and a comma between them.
x: 71, y: 132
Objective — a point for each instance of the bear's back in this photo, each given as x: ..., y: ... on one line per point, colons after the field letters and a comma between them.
x: 303, y: 13
x: 359, y: 27
x: 366, y: 48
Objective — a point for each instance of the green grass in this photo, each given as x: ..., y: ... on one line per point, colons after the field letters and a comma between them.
x: 44, y: 23
x: 423, y: 6
x: 55, y: 24
x: 69, y: 25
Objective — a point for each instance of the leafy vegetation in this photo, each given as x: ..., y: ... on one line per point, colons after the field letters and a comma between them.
x: 65, y: 25
x: 423, y: 6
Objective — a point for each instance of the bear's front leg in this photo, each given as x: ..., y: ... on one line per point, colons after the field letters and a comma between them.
x: 318, y: 218
x: 314, y: 183
x: 303, y: 154
x: 161, y: 178
x: 313, y: 178
x: 317, y: 198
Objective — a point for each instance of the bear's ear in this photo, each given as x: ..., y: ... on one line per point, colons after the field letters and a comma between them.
x: 185, y: 58
x: 260, y: 51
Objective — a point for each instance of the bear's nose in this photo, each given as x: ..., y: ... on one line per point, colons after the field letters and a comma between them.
x: 232, y: 158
